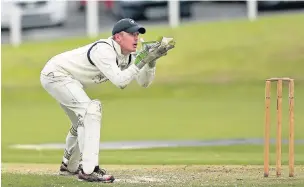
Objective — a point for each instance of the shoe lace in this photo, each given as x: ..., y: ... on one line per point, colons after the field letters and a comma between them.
x: 100, y: 171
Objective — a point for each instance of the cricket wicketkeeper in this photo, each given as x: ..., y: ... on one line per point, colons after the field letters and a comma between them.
x: 114, y: 59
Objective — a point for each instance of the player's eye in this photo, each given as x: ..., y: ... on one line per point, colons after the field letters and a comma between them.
x: 135, y: 33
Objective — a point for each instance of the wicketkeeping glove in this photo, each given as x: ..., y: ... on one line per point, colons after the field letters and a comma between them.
x: 143, y: 56
x: 166, y: 44
x: 153, y: 50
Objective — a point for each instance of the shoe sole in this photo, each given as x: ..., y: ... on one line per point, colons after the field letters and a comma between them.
x: 109, y: 181
x: 66, y: 173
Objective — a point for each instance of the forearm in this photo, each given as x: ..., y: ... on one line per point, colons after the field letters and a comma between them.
x: 146, y: 75
x: 122, y: 78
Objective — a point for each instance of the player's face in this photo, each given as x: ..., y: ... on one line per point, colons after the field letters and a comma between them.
x: 128, y: 42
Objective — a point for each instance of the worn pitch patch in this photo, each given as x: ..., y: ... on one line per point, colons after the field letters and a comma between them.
x: 141, y: 179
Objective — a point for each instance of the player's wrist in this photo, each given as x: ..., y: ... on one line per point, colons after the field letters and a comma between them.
x: 152, y: 64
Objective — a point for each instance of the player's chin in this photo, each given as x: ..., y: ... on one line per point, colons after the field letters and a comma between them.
x: 133, y: 49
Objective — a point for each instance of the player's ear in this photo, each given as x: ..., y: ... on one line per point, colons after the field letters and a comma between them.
x: 115, y: 37
x: 118, y: 36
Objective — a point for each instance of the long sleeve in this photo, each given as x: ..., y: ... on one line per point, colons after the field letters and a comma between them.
x: 146, y: 76
x: 104, y: 58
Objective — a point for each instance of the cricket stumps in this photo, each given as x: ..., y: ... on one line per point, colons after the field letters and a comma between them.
x: 279, y: 125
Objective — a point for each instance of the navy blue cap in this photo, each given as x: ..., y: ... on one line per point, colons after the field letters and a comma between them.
x: 128, y: 25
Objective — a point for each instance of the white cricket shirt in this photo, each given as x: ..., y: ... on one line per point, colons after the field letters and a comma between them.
x: 109, y: 64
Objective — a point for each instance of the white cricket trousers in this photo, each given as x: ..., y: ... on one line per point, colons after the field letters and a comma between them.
x: 71, y: 96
